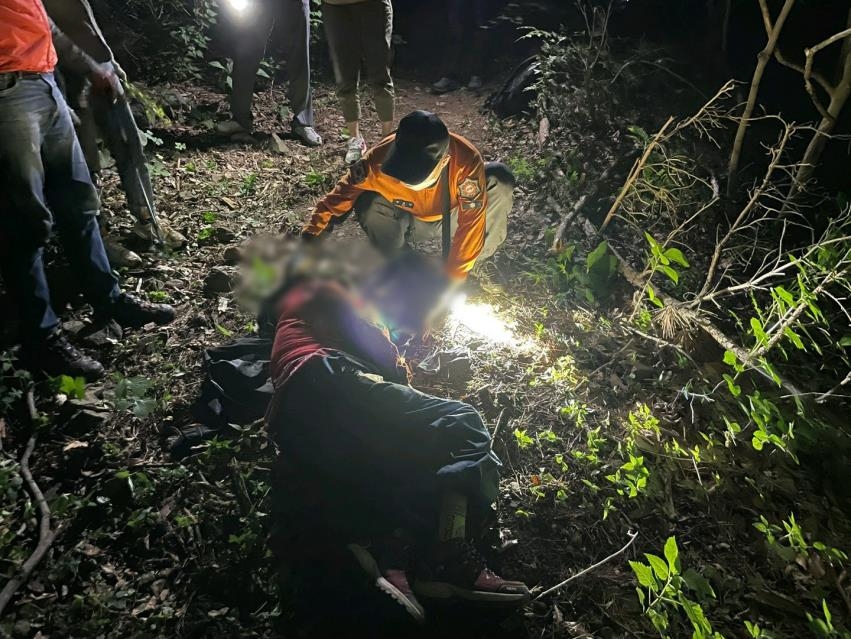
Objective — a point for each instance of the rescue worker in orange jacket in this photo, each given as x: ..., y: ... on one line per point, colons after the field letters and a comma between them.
x: 401, y: 187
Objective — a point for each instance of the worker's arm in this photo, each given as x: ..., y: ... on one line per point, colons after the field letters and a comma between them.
x: 76, y: 20
x: 338, y: 202
x: 102, y: 77
x: 471, y: 189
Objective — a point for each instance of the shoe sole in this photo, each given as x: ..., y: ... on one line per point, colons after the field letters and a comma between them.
x: 442, y: 590
x: 370, y: 566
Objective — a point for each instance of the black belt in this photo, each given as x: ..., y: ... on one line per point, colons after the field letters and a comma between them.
x: 8, y: 80
x: 20, y: 74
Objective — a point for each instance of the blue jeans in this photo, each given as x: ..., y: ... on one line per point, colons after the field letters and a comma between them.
x: 44, y: 181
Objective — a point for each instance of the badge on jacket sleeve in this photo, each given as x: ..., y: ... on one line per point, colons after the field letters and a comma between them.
x: 469, y: 189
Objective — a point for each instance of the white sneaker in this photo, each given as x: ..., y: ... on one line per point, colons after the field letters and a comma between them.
x: 475, y: 83
x: 444, y: 85
x: 308, y: 135
x: 355, y: 150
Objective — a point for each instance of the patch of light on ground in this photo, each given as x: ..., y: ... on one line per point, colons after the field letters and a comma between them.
x: 483, y: 321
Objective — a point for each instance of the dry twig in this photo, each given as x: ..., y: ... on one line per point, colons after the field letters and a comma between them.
x: 632, y: 537
x: 45, y: 534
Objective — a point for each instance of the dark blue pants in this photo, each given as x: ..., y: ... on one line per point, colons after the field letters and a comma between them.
x: 382, y: 448
x: 44, y: 181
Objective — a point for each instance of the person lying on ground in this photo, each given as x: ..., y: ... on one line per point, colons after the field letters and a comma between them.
x: 361, y: 31
x: 113, y: 122
x: 43, y: 176
x: 344, y: 415
x: 402, y: 188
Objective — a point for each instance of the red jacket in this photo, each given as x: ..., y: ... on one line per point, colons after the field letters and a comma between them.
x: 25, y: 38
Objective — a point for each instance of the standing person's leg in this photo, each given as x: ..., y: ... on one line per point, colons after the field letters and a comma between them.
x: 476, y: 61
x: 295, y: 20
x: 250, y: 34
x: 344, y: 43
x: 118, y: 129
x: 456, y: 20
x: 74, y: 202
x: 25, y: 220
x: 376, y: 36
x: 28, y: 110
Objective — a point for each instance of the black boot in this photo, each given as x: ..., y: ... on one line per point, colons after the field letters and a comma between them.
x: 131, y: 312
x: 55, y: 355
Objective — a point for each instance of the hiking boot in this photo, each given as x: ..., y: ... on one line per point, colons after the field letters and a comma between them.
x: 355, y: 150
x: 55, y: 355
x: 235, y: 131
x: 231, y: 127
x: 444, y: 85
x: 456, y: 570
x: 119, y: 255
x: 307, y: 134
x: 475, y: 83
x: 171, y: 239
x: 390, y: 576
x: 131, y: 312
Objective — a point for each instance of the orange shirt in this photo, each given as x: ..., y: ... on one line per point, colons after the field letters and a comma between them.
x: 25, y: 40
x: 468, y: 194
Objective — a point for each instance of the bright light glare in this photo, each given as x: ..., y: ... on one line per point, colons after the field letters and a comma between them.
x: 482, y: 320
x: 239, y: 5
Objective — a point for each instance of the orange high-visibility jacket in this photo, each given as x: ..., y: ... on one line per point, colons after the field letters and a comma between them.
x: 25, y: 38
x: 468, y: 194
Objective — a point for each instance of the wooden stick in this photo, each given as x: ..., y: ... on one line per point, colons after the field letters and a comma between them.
x: 632, y: 537
x: 45, y: 534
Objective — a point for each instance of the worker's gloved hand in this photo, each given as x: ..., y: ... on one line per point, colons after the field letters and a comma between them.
x: 105, y: 81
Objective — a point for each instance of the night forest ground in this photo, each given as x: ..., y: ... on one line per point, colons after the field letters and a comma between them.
x: 572, y: 390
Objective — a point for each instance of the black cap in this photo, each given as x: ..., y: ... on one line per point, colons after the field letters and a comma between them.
x: 421, y: 142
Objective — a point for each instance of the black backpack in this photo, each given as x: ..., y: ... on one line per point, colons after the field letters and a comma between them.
x: 517, y: 93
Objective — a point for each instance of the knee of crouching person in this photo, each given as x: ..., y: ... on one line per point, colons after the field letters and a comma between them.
x: 498, y: 174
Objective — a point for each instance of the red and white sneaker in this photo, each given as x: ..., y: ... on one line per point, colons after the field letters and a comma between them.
x: 456, y: 570
x: 390, y: 577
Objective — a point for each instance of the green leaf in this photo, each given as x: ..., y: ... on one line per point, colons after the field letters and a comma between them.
x: 653, y: 243
x: 845, y: 341
x: 676, y: 255
x: 644, y: 574
x: 224, y: 331
x: 73, y: 387
x: 672, y: 553
x: 596, y: 255
x: 671, y: 273
x: 651, y: 295
x: 698, y: 584
x: 759, y: 333
x: 735, y: 389
x: 794, y: 338
x: 730, y: 358
x: 785, y: 295
x: 660, y: 568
